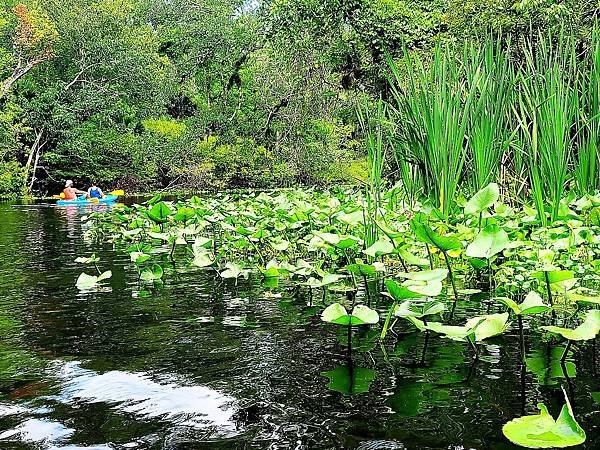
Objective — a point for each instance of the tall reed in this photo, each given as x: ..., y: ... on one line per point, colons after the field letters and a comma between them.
x: 489, y: 133
x: 546, y: 112
x: 587, y: 154
x: 373, y: 127
x: 433, y: 113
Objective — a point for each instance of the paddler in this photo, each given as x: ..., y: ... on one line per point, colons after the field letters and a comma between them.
x: 94, y: 191
x: 70, y: 192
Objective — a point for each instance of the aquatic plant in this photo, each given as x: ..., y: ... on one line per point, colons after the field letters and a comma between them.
x: 542, y: 431
x: 587, y: 330
x: 93, y: 259
x: 85, y: 281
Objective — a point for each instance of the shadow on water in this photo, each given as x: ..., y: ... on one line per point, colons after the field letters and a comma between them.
x: 201, y: 363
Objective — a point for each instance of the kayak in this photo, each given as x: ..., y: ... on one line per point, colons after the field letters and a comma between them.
x: 86, y: 201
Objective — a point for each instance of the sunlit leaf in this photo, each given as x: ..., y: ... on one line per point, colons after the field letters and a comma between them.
x: 584, y: 332
x: 483, y: 199
x: 489, y: 242
x: 542, y: 431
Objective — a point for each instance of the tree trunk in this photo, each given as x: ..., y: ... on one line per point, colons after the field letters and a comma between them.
x: 18, y: 73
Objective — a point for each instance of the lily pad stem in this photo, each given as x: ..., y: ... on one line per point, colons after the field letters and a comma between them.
x: 549, y: 294
x: 429, y: 256
x: 451, y: 275
x: 567, y: 348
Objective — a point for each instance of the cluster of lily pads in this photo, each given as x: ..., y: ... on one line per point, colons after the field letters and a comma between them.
x: 418, y: 264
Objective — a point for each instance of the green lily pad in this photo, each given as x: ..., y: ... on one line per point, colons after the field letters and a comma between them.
x: 85, y: 281
x: 139, y: 257
x: 159, y: 212
x: 409, y: 309
x: 489, y: 242
x: 532, y: 304
x: 151, y: 273
x: 584, y: 332
x: 202, y: 258
x: 233, y: 270
x: 424, y: 288
x: 492, y: 325
x: 583, y: 298
x: 554, y: 276
x: 425, y: 234
x: 362, y: 270
x: 381, y: 247
x: 87, y: 260
x: 413, y: 260
x: 399, y: 292
x: 483, y: 199
x: 476, y: 329
x: 426, y: 275
x: 361, y: 315
x: 542, y: 431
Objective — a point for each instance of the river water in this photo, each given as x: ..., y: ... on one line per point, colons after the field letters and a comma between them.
x: 200, y: 363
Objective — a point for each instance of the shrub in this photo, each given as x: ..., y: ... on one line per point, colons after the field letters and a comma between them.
x: 12, y: 180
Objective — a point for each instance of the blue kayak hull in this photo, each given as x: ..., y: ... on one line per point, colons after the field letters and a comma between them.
x: 80, y: 201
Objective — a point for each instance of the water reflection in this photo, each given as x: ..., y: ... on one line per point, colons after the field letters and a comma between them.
x: 137, y: 393
x: 38, y: 431
x: 349, y: 379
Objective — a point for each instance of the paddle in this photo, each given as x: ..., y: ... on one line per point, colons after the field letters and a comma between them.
x: 118, y: 192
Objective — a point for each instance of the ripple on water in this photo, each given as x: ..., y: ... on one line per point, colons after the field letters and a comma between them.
x: 79, y: 447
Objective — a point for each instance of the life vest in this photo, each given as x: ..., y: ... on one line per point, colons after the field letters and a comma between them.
x: 69, y: 194
x: 95, y: 192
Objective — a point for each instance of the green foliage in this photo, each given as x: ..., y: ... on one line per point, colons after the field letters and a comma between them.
x: 242, y: 163
x: 542, y: 431
x: 361, y: 315
x: 12, y: 180
x: 152, y: 94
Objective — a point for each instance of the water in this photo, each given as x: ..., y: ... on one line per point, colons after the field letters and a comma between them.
x: 198, y: 363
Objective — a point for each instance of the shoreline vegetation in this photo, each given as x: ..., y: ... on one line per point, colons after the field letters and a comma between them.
x: 149, y: 95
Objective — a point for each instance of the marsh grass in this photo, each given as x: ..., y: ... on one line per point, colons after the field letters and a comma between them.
x: 373, y: 125
x: 467, y: 116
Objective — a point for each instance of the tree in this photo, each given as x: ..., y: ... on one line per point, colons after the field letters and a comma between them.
x: 33, y: 40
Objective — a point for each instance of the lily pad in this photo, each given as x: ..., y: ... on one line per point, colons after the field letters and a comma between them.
x: 533, y: 304
x: 584, y: 332
x: 425, y: 234
x: 233, y: 270
x: 159, y: 212
x: 381, y: 247
x: 542, y: 431
x: 85, y: 281
x: 476, y: 329
x: 409, y: 309
x: 554, y: 276
x: 489, y: 242
x: 151, y: 273
x: 399, y: 292
x: 426, y: 275
x: 483, y: 199
x: 361, y: 315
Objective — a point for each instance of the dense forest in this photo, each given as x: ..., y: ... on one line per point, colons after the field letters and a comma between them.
x: 188, y: 94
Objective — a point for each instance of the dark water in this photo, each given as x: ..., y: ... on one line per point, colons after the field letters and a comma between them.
x: 197, y: 363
